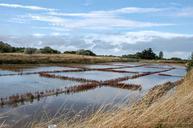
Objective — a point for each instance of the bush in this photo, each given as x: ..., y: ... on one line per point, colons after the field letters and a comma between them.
x: 190, y: 63
x: 146, y: 54
x: 161, y: 55
x: 49, y: 50
x: 175, y: 58
x: 70, y: 52
x: 30, y: 50
x: 130, y: 56
x: 4, y: 47
x: 85, y: 52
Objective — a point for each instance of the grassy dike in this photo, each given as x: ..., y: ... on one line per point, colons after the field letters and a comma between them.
x: 19, y: 58
x: 167, y: 105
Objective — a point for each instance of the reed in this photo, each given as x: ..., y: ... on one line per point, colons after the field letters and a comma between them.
x: 30, y: 96
x: 126, y: 86
x: 66, y: 77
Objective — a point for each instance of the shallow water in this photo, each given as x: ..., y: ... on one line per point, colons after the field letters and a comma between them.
x: 49, y: 68
x: 5, y: 72
x: 96, y: 66
x: 30, y: 83
x: 140, y: 69
x: 178, y: 72
x: 94, y: 75
x: 150, y: 81
x: 126, y: 64
x: 81, y: 103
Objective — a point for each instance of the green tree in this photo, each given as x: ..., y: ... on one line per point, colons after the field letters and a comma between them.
x: 5, y: 48
x: 85, y: 52
x: 146, y: 54
x: 30, y: 50
x: 161, y: 55
x: 70, y: 52
x: 49, y: 50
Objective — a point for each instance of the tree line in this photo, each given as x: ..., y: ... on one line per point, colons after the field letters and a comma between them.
x: 146, y: 54
x: 149, y: 54
x: 7, y: 48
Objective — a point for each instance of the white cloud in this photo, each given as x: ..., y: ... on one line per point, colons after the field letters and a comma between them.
x: 129, y: 10
x: 26, y: 7
x: 86, y: 23
x: 38, y: 35
x: 185, y: 12
x: 109, y: 13
x: 136, y: 37
x: 172, y: 44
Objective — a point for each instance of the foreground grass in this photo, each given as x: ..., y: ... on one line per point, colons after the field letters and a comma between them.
x: 19, y: 58
x: 161, y: 107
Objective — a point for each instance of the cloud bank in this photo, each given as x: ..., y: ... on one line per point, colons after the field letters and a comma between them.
x: 172, y: 44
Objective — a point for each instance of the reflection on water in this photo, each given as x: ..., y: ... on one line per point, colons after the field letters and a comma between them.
x: 96, y: 66
x: 127, y: 64
x: 78, y: 102
x: 177, y: 72
x: 29, y: 83
x: 5, y: 72
x: 140, y: 69
x: 82, y: 102
x: 95, y: 75
x: 149, y: 81
x: 49, y: 68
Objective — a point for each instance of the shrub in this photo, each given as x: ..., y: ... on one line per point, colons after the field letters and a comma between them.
x: 161, y: 55
x: 70, y: 52
x: 49, y: 50
x: 85, y: 52
x: 190, y: 63
x: 175, y: 58
x: 4, y: 47
x: 146, y: 54
x: 30, y: 50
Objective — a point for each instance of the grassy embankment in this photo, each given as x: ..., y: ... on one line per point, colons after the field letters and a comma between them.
x: 163, y: 106
x: 16, y: 58
x: 20, y: 58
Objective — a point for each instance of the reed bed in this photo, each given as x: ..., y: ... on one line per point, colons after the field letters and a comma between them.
x: 125, y: 86
x: 54, y: 71
x: 66, y: 77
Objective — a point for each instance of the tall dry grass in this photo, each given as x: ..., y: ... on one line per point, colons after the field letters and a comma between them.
x: 19, y: 58
x: 160, y: 107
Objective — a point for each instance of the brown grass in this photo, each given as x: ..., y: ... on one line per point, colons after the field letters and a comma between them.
x: 19, y: 58
x: 159, y: 108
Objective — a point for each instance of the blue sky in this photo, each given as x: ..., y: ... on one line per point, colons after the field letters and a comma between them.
x: 105, y: 26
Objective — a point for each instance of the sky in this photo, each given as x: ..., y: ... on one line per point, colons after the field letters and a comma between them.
x: 110, y: 27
